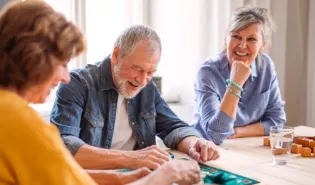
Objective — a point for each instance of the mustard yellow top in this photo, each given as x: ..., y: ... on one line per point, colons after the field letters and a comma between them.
x: 31, y: 150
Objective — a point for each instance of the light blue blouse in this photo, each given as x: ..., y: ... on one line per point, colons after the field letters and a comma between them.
x: 261, y: 99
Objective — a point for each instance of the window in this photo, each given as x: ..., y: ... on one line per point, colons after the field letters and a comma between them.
x: 102, y: 21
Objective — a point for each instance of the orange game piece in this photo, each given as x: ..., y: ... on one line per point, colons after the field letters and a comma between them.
x: 267, y: 141
x: 312, y: 145
x: 296, y: 149
x: 279, y: 151
x: 306, y: 152
x: 298, y: 141
x: 306, y: 142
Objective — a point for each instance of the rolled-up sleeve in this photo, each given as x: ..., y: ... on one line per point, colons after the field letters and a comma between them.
x: 67, y: 112
x: 275, y: 113
x: 214, y: 124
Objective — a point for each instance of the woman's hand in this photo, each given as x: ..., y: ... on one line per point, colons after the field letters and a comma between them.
x: 240, y: 72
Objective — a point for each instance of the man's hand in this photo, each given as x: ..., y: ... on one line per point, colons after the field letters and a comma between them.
x: 134, y: 175
x: 151, y: 157
x: 203, y: 150
x: 181, y: 172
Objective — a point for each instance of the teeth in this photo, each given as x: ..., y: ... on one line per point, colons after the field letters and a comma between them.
x: 241, y: 54
x: 134, y: 84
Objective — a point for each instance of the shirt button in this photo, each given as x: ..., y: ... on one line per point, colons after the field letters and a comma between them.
x: 142, y: 142
x: 133, y: 123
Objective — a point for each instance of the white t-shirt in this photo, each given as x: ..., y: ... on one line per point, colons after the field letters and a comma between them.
x: 122, y: 138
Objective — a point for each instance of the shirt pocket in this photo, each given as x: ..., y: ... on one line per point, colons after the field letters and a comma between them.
x: 149, y: 117
x: 94, y: 120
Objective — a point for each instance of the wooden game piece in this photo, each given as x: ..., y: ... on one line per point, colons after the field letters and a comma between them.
x: 306, y: 152
x: 279, y: 151
x: 312, y: 145
x: 296, y: 148
x: 267, y: 141
x: 298, y: 141
x: 306, y: 142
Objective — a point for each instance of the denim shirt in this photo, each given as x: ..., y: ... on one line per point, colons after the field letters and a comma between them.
x: 260, y: 102
x: 84, y: 112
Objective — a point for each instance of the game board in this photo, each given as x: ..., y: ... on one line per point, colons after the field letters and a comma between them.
x: 211, y: 175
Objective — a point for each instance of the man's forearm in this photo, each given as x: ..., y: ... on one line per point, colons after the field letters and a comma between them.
x: 103, y: 177
x: 158, y: 177
x: 90, y: 157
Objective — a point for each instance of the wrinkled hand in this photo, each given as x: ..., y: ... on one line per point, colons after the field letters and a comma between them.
x: 240, y: 72
x: 134, y: 175
x: 151, y: 157
x: 181, y: 172
x: 203, y: 150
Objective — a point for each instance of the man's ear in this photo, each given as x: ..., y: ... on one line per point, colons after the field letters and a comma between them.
x: 115, y: 54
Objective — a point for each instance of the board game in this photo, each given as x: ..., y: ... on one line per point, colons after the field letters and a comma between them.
x: 211, y: 175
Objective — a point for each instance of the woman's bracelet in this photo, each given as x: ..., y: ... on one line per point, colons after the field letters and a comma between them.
x: 232, y: 91
x: 228, y: 81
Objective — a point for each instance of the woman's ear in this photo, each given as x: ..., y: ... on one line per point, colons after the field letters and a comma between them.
x: 262, y: 48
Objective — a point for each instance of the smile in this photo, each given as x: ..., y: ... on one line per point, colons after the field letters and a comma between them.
x: 241, y: 54
x: 133, y: 85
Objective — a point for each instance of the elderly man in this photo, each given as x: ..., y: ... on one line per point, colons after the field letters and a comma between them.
x: 110, y: 112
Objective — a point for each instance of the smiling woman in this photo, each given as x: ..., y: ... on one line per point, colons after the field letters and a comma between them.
x: 237, y: 93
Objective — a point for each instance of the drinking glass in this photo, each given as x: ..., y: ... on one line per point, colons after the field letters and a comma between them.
x: 281, y: 138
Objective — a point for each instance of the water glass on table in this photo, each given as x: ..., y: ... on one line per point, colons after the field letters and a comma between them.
x: 281, y: 138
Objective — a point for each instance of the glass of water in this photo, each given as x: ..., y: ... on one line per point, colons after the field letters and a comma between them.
x: 281, y: 138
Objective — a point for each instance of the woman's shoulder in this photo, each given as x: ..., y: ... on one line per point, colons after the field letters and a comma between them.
x: 212, y: 65
x: 267, y: 61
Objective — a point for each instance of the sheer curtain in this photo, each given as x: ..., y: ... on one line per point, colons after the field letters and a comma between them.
x: 311, y: 65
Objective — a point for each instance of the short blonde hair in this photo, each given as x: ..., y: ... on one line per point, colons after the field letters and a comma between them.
x: 244, y: 16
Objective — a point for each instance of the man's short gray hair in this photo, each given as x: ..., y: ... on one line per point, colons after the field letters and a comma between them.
x: 131, y: 37
x: 245, y: 16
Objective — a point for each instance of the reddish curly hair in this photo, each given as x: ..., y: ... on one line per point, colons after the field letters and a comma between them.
x: 31, y: 34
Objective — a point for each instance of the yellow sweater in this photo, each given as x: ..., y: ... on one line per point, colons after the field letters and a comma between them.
x: 32, y: 151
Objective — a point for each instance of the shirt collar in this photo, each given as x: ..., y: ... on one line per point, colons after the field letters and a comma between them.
x: 106, y: 77
x: 225, y: 71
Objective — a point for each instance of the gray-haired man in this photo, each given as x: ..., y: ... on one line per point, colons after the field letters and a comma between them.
x: 110, y: 113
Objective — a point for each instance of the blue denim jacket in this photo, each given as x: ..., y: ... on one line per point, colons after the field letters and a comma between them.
x: 84, y: 112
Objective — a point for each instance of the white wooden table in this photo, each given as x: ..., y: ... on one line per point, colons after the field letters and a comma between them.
x: 248, y: 157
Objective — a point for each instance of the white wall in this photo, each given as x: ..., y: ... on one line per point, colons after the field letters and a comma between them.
x: 181, y: 28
